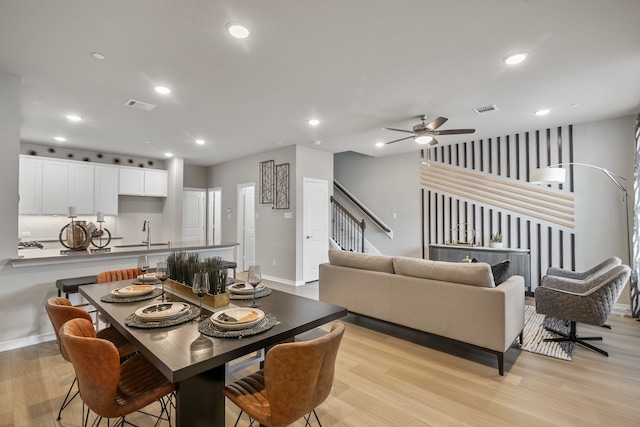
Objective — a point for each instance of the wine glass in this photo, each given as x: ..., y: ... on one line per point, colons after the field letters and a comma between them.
x: 143, y: 265
x: 161, y: 274
x: 200, y: 287
x: 254, y: 280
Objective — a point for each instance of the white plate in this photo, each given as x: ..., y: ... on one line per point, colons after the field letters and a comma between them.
x: 133, y: 290
x: 162, y: 311
x: 148, y: 277
x: 251, y: 315
x: 244, y: 288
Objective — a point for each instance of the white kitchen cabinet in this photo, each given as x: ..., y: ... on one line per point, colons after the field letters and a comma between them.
x: 155, y: 183
x: 30, y: 186
x: 106, y: 189
x: 55, y: 192
x: 143, y: 182
x: 131, y: 181
x: 81, y: 187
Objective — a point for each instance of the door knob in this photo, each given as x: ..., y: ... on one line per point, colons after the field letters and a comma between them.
x: 308, y: 237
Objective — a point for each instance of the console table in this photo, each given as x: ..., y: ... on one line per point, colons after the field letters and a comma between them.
x: 519, y: 259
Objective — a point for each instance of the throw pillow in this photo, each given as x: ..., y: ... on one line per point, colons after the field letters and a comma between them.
x: 500, y: 271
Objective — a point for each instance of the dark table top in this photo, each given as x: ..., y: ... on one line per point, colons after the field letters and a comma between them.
x: 181, y: 352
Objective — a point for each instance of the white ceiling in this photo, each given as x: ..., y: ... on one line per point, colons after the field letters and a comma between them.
x: 356, y: 65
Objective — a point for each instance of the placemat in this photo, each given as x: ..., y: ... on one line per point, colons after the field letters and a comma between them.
x: 259, y: 294
x: 112, y: 298
x: 135, y: 321
x: 206, y: 327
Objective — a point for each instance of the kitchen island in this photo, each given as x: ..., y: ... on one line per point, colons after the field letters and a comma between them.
x: 28, y: 280
x: 34, y: 257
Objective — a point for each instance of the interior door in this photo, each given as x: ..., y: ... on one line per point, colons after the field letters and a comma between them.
x: 214, y: 216
x: 315, y: 224
x: 193, y: 215
x: 246, y: 225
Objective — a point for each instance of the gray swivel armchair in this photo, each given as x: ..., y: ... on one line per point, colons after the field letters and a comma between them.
x: 603, y: 267
x: 587, y: 301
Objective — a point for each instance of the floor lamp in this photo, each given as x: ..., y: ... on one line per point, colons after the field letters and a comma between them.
x: 554, y: 174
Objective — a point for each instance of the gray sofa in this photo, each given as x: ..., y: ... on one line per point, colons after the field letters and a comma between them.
x: 459, y: 301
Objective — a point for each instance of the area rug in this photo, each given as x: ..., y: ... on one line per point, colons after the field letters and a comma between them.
x: 535, y: 333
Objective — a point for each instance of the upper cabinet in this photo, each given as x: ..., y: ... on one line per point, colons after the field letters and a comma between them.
x: 50, y: 186
x: 106, y: 189
x: 156, y: 183
x: 143, y: 182
x: 131, y: 182
x: 55, y: 191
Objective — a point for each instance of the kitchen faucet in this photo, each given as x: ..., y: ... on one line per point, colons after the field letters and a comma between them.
x: 146, y: 226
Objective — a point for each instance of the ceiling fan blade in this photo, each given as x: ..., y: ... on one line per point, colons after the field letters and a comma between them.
x: 399, y: 130
x: 435, y: 124
x: 433, y: 142
x: 401, y: 139
x: 453, y: 131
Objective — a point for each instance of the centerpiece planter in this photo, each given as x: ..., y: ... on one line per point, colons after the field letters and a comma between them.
x: 184, y: 291
x: 182, y: 266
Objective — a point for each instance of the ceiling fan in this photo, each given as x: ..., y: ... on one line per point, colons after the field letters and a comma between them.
x: 424, y: 133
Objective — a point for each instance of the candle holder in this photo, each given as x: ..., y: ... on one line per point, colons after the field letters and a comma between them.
x: 98, y: 238
x: 74, y: 236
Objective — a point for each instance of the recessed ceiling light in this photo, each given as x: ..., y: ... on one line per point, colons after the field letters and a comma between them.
x: 314, y: 122
x: 379, y: 144
x: 60, y: 138
x: 238, y: 30
x: 162, y: 89
x: 97, y: 55
x: 200, y: 141
x: 317, y: 142
x: 147, y: 142
x: 168, y: 154
x: 542, y: 112
x: 74, y: 118
x: 515, y: 58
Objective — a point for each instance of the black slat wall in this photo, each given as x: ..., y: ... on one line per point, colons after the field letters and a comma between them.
x: 511, y: 158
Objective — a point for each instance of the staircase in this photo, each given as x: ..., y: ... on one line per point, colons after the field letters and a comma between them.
x: 346, y: 231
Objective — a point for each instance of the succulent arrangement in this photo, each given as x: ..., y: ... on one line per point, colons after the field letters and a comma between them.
x: 181, y: 266
x: 496, y: 238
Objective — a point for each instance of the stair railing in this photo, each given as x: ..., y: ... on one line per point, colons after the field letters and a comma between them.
x: 346, y: 230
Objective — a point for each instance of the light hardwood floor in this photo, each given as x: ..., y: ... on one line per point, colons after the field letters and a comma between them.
x: 388, y: 376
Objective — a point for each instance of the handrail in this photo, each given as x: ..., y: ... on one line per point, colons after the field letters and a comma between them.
x: 346, y: 212
x: 360, y: 206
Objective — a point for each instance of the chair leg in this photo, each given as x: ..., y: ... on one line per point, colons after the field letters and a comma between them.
x: 66, y: 400
x: 573, y: 337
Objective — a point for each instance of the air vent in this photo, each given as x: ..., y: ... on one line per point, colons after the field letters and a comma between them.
x: 140, y: 105
x: 488, y: 109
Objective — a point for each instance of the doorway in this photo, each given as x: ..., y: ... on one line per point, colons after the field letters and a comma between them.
x: 246, y: 226
x: 214, y: 216
x: 193, y: 215
x: 315, y: 225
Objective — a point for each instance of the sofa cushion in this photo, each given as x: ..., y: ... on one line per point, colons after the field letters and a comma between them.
x: 475, y: 274
x: 362, y: 261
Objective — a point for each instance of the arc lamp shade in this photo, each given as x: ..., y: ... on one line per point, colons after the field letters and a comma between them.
x: 548, y: 176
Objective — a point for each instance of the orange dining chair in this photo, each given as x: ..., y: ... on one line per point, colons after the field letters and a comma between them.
x: 297, y: 377
x: 108, y: 388
x: 115, y: 275
x: 60, y: 311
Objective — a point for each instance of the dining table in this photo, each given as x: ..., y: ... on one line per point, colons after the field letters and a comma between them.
x: 195, y: 362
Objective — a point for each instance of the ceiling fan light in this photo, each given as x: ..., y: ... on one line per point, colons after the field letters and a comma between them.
x: 422, y: 138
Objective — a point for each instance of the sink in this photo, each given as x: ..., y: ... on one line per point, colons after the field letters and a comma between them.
x: 141, y: 245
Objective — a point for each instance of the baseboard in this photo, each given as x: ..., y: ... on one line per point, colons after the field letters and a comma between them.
x: 283, y: 281
x: 27, y: 341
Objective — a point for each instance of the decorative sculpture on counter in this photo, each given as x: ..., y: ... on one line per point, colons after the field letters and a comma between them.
x: 102, y: 239
x: 78, y: 235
